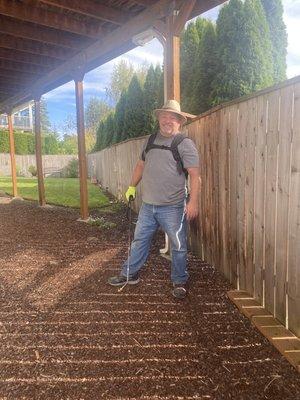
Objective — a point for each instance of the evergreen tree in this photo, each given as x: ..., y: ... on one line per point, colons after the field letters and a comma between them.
x: 134, y: 114
x: 206, y: 66
x: 274, y: 13
x: 243, y: 50
x: 151, y: 98
x: 120, y: 117
x: 109, y: 129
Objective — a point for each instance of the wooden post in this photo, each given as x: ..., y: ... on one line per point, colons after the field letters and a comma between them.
x: 38, y: 150
x: 12, y: 154
x: 81, y: 146
x: 172, y: 57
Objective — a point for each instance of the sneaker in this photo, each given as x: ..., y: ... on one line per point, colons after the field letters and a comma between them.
x: 121, y: 280
x: 180, y: 290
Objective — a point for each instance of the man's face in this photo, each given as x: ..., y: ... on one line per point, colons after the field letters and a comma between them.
x: 169, y: 123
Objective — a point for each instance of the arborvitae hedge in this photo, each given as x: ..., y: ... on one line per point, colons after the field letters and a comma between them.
x: 24, y: 142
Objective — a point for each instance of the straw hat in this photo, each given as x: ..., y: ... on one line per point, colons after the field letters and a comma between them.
x: 172, y: 106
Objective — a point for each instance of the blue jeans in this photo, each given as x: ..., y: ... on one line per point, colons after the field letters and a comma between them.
x: 173, y: 222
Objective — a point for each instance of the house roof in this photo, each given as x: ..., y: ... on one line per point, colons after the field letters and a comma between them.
x: 45, y: 43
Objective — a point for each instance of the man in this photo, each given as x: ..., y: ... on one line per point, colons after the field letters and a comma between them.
x: 164, y: 197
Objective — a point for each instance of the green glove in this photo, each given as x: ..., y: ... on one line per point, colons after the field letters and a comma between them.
x: 131, y: 191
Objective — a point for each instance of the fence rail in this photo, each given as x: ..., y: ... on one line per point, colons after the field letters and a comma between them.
x: 249, y: 221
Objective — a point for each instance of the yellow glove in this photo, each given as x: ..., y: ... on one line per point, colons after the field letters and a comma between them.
x: 131, y: 191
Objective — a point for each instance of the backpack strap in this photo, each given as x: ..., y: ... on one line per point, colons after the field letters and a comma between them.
x: 149, y: 145
x: 174, y: 148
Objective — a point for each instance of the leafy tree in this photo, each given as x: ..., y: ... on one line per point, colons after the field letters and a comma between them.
x: 134, y: 114
x: 274, y: 13
x: 69, y: 144
x: 109, y: 129
x: 50, y: 144
x: 119, y: 81
x: 95, y: 110
x: 243, y: 50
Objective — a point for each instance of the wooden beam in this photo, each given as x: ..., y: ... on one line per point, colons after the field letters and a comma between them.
x: 51, y: 19
x: 18, y: 76
x: 34, y: 59
x: 42, y: 34
x: 23, y: 67
x: 145, y: 3
x: 92, y: 9
x: 81, y: 148
x: 12, y: 155
x: 38, y: 150
x: 183, y: 16
x: 34, y: 47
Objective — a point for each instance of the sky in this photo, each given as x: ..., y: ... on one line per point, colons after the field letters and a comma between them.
x: 61, y: 101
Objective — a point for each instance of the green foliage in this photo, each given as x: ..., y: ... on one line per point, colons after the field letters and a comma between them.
x: 4, y: 141
x: 151, y: 98
x: 69, y: 144
x: 206, y: 66
x: 102, y: 223
x: 95, y: 111
x: 32, y: 170
x: 71, y: 170
x: 50, y: 144
x: 134, y: 115
x: 243, y: 51
x: 274, y: 13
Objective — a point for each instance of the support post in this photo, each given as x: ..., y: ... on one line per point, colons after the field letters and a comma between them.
x: 172, y: 55
x: 38, y: 150
x: 81, y: 146
x: 12, y: 154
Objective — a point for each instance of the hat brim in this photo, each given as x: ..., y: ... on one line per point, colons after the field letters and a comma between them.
x: 180, y: 114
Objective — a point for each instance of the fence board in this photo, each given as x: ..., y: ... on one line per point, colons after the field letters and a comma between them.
x: 271, y: 196
x: 283, y: 188
x: 241, y: 227
x: 260, y: 199
x: 294, y: 225
x: 249, y: 192
x: 233, y: 129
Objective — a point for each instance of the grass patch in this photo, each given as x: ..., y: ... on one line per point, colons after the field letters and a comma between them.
x: 58, y: 191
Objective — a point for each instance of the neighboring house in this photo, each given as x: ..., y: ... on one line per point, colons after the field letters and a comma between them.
x: 22, y: 118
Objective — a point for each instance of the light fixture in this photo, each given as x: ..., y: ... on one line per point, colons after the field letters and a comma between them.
x: 144, y: 37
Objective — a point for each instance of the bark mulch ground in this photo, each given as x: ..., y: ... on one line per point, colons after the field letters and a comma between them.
x: 66, y: 334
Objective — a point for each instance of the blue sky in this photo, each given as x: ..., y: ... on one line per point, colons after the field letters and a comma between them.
x: 61, y: 101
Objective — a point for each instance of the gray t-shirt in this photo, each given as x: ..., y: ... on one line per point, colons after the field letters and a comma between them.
x: 161, y: 182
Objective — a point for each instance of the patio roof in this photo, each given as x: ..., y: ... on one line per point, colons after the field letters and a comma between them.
x: 44, y: 42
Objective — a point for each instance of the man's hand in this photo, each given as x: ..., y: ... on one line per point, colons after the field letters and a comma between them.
x: 191, y: 210
x: 131, y: 192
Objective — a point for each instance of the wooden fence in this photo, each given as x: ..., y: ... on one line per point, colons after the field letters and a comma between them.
x: 23, y: 162
x: 249, y: 222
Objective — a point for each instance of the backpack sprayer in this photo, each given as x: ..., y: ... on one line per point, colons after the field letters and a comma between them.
x: 129, y: 218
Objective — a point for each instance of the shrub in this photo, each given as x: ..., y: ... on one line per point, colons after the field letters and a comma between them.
x: 32, y: 170
x: 71, y: 170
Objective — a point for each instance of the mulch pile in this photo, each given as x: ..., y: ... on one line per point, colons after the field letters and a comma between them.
x: 66, y: 334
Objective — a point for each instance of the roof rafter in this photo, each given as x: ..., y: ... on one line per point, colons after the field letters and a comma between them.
x: 17, y: 76
x: 92, y: 9
x: 43, y: 34
x: 15, y: 55
x: 31, y: 46
x: 23, y: 67
x: 51, y: 19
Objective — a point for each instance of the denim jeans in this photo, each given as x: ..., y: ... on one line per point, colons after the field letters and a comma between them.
x: 172, y: 220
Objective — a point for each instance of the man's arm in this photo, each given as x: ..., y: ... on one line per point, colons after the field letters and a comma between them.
x: 137, y: 173
x: 192, y: 205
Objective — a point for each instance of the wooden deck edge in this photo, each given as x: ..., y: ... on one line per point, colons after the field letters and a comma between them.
x: 282, y: 338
